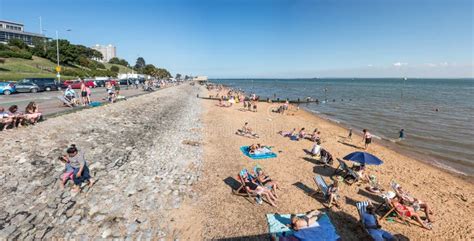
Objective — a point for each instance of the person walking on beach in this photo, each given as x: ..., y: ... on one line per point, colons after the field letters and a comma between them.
x: 401, y: 135
x: 367, y: 138
x: 350, y: 134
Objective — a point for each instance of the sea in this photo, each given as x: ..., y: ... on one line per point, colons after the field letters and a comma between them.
x: 437, y: 115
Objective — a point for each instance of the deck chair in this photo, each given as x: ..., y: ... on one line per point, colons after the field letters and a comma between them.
x: 66, y: 101
x: 322, y: 186
x: 243, y: 191
x: 392, y: 209
x: 362, y: 208
x: 342, y: 168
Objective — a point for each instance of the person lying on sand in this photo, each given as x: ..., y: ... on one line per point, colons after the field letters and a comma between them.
x: 373, y: 227
x: 266, y: 181
x: 305, y: 221
x: 417, y: 204
x: 259, y: 149
x: 407, y: 211
x: 253, y: 187
x: 246, y: 131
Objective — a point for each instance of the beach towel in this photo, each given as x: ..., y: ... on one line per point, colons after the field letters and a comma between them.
x: 95, y: 104
x: 323, y: 229
x: 245, y: 150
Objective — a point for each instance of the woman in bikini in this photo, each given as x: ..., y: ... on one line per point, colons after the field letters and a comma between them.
x: 305, y: 221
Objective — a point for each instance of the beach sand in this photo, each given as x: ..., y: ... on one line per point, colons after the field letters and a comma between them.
x: 218, y: 214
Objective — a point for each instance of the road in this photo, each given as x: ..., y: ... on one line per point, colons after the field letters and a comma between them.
x: 49, y: 103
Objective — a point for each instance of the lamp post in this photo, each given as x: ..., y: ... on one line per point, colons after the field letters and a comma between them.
x: 58, y: 68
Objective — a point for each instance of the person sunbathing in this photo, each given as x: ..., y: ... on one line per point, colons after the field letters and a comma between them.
x: 253, y: 187
x: 305, y: 221
x: 5, y: 119
x: 407, y: 211
x: 246, y: 131
x: 259, y: 149
x: 316, y: 150
x: 373, y: 227
x: 266, y: 181
x: 409, y: 200
x: 357, y: 174
x: 302, y: 133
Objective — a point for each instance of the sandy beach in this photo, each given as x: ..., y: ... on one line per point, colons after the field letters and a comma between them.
x: 227, y: 216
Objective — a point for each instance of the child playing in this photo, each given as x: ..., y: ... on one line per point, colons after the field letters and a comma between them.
x: 68, y: 171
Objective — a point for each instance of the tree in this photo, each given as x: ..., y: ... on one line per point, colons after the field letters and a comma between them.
x: 149, y: 70
x: 186, y: 77
x: 114, y: 69
x: 114, y: 60
x: 178, y: 76
x: 140, y: 64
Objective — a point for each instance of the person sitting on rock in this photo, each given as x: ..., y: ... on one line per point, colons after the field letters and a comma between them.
x: 79, y: 164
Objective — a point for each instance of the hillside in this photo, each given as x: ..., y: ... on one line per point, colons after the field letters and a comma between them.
x: 15, y: 68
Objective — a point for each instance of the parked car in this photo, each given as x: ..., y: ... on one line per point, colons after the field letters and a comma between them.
x: 7, y: 88
x: 76, y: 84
x: 124, y: 82
x: 26, y: 85
x: 45, y: 84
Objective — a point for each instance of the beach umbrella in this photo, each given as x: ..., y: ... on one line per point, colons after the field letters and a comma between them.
x: 363, y: 158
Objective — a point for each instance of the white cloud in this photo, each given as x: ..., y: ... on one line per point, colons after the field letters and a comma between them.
x: 369, y: 65
x: 399, y: 64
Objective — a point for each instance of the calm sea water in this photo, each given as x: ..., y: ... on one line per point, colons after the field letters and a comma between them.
x: 384, y: 106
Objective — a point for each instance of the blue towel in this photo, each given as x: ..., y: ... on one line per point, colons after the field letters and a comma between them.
x: 245, y: 150
x: 95, y: 104
x: 324, y: 231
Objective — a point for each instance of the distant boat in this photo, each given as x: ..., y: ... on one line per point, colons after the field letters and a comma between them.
x: 405, y: 78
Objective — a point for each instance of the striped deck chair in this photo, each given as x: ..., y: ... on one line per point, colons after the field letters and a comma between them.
x: 322, y: 186
x: 392, y: 209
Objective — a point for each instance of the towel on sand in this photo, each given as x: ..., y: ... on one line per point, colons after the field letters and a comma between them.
x: 323, y: 229
x: 245, y: 150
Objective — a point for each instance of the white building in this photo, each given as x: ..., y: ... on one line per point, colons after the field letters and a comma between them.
x: 108, y: 52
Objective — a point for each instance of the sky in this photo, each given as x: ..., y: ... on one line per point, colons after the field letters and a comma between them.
x: 269, y: 38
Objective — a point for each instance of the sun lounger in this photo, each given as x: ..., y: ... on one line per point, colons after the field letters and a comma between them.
x: 362, y: 208
x: 322, y: 186
x: 245, y: 150
x: 323, y: 229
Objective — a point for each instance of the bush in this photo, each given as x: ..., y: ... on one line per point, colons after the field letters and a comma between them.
x: 114, y: 69
x: 11, y: 54
x: 3, y: 47
x: 18, y: 43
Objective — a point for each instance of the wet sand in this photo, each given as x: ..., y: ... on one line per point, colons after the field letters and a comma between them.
x: 218, y: 214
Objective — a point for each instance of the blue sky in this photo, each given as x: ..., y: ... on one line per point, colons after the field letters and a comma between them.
x: 269, y: 38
